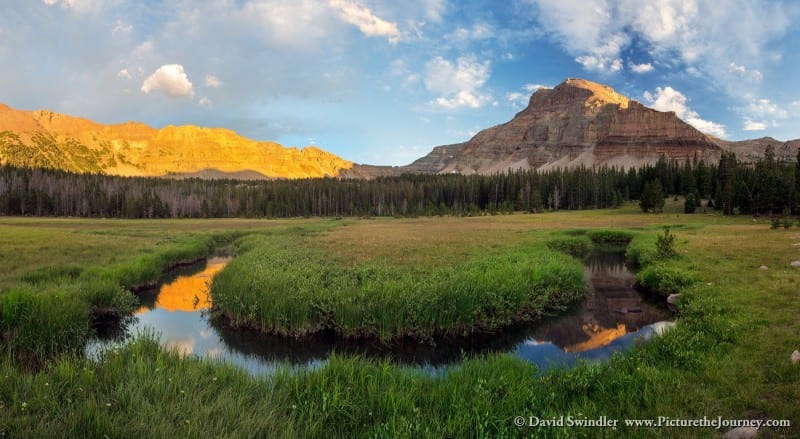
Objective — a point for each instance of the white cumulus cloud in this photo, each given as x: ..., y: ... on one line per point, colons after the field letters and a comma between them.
x: 458, y: 84
x: 205, y: 102
x: 171, y: 80
x: 368, y: 23
x: 669, y: 99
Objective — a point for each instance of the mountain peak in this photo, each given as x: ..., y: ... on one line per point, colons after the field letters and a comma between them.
x: 600, y: 93
x: 576, y: 123
x: 578, y: 94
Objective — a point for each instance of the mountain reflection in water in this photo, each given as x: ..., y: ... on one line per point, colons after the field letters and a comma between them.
x: 611, y: 318
x: 186, y: 293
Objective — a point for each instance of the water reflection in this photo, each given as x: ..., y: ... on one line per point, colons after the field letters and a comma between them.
x: 186, y: 290
x: 611, y: 318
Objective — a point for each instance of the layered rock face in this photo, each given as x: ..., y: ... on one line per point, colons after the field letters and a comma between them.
x: 48, y: 139
x: 576, y: 123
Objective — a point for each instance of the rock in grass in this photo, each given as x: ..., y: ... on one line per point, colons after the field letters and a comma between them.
x: 795, y: 264
x: 763, y: 267
x: 672, y: 299
x: 795, y: 357
x: 741, y: 433
x: 659, y: 328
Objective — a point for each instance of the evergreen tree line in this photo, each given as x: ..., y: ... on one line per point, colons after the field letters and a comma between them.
x: 765, y: 187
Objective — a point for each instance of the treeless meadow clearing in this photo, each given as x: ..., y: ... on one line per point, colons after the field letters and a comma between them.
x: 728, y: 355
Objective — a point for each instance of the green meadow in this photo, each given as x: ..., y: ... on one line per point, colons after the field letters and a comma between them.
x: 383, y: 279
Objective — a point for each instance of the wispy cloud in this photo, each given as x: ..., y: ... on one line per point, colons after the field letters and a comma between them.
x: 699, y: 33
x: 122, y: 28
x: 212, y: 81
x: 641, y: 68
x: 750, y: 125
x: 366, y: 21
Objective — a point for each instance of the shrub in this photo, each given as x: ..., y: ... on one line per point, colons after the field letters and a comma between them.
x: 690, y: 205
x: 665, y: 244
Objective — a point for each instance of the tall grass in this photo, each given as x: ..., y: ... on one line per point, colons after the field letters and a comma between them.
x: 49, y: 310
x: 574, y: 245
x: 610, y: 236
x: 281, y: 285
x: 664, y: 278
x: 642, y: 250
x: 727, y: 356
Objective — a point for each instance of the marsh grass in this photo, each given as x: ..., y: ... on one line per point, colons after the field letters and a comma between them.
x: 49, y: 309
x: 280, y: 284
x: 665, y: 278
x: 573, y: 245
x: 727, y: 356
x: 610, y: 236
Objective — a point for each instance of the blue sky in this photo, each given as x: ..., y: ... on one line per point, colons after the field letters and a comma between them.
x: 382, y: 82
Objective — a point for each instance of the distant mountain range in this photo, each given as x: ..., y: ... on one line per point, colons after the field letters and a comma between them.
x: 47, y: 139
x: 576, y: 123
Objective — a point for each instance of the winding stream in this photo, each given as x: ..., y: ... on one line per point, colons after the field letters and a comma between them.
x: 611, y: 318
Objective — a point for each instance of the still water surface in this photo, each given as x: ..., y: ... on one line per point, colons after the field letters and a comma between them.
x: 611, y: 318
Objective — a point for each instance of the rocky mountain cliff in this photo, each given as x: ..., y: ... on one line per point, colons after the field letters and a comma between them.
x: 47, y: 139
x: 577, y: 123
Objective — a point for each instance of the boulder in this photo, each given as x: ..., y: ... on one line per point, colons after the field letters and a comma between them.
x: 763, y: 267
x: 673, y: 299
x: 795, y: 357
x: 795, y: 263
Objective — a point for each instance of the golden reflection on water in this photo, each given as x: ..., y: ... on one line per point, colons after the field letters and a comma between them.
x: 598, y: 337
x: 188, y: 293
